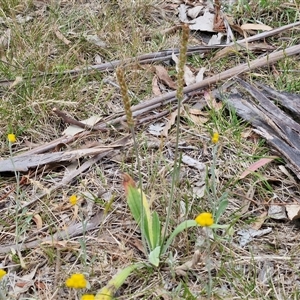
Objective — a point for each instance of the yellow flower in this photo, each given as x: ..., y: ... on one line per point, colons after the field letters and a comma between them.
x: 87, y: 297
x: 2, y: 273
x: 104, y: 294
x: 76, y: 281
x: 205, y: 219
x: 73, y: 199
x: 11, y: 138
x: 215, y: 137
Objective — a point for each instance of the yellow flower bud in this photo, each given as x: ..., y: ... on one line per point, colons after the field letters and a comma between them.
x: 76, y: 281
x: 11, y: 138
x: 73, y: 199
x: 205, y: 219
x: 2, y: 273
x: 215, y: 138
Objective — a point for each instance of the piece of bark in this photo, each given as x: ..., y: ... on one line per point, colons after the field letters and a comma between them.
x: 279, y: 129
x: 286, y: 127
x: 82, y: 168
x: 25, y: 162
x: 287, y: 100
x: 53, y: 144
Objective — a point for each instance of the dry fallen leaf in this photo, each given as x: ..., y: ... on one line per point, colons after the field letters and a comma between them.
x: 211, y: 101
x: 18, y: 80
x: 255, y: 46
x: 249, y: 26
x: 73, y: 129
x: 259, y: 221
x: 198, y: 116
x: 24, y: 283
x: 293, y: 211
x: 197, y: 119
x: 194, y: 12
x: 248, y: 235
x: 155, y: 88
x: 247, y: 200
x: 61, y: 37
x: 38, y: 221
x: 170, y: 122
x: 189, y: 77
x: 193, y: 163
x: 182, y: 9
x: 218, y: 18
x: 256, y: 165
x: 204, y: 23
x: 162, y: 74
x: 277, y: 212
x: 156, y: 129
x: 200, y: 75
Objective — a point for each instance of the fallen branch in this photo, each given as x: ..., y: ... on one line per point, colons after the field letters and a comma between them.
x: 153, y: 103
x: 150, y: 105
x: 159, y: 56
x: 25, y: 162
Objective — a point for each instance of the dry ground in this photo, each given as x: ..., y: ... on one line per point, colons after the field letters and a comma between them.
x: 266, y: 268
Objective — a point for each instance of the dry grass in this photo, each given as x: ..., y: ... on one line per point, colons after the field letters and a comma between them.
x: 26, y: 109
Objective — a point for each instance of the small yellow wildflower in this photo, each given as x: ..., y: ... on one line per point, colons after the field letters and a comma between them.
x: 73, y: 199
x: 11, y: 138
x: 76, y: 281
x: 215, y: 137
x: 205, y: 219
x: 2, y: 273
x: 104, y: 294
x: 87, y: 297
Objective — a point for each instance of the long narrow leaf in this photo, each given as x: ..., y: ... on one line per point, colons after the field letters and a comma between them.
x: 136, y: 207
x: 148, y: 221
x: 184, y: 225
x: 156, y: 231
x: 222, y: 207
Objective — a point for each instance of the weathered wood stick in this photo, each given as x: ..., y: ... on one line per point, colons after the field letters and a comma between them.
x: 171, y: 96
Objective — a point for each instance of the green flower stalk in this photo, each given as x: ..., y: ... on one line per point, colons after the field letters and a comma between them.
x: 130, y: 122
x: 179, y: 94
x: 107, y: 292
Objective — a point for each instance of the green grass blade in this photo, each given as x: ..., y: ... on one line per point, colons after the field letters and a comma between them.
x: 156, y: 230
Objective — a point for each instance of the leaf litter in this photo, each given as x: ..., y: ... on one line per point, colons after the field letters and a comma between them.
x: 88, y: 169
